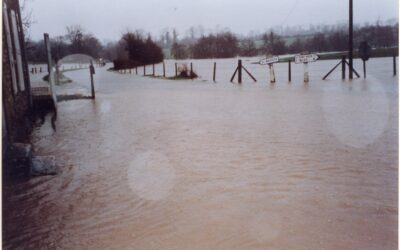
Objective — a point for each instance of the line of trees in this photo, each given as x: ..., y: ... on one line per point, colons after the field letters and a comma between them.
x: 75, y: 41
x: 226, y: 44
x: 142, y: 49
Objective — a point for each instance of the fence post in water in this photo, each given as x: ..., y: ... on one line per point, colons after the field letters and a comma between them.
x: 176, y: 70
x: 343, y: 67
x: 163, y: 64
x: 306, y: 77
x: 240, y: 71
x: 154, y: 72
x: 215, y: 68
x: 364, y: 69
x: 394, y: 65
x: 136, y: 70
x: 290, y: 70
x: 191, y: 69
x: 144, y: 69
x: 271, y: 73
x: 91, y: 69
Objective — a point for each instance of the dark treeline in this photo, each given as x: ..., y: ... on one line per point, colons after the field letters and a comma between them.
x: 75, y: 41
x: 226, y: 44
x: 139, y: 48
x: 133, y: 48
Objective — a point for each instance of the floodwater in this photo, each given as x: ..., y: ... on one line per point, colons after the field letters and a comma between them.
x: 161, y: 164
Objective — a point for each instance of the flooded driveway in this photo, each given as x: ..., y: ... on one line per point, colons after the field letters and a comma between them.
x: 159, y: 164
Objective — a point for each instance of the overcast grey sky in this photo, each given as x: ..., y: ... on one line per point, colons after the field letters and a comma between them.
x: 107, y: 19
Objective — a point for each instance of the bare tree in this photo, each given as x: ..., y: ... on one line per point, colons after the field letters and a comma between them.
x: 27, y: 18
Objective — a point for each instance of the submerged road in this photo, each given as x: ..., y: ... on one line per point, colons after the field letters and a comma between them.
x: 157, y: 164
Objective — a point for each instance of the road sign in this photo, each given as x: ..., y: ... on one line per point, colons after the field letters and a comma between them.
x: 364, y: 51
x: 269, y: 60
x: 305, y: 58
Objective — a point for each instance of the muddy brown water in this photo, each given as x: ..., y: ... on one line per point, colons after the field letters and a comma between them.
x: 156, y: 164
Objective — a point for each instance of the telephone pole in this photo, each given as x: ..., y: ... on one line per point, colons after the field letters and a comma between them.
x: 351, y: 39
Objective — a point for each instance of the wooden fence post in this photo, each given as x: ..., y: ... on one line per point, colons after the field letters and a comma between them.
x: 240, y: 71
x: 343, y: 67
x: 215, y: 68
x: 91, y: 69
x: 394, y: 65
x: 176, y: 70
x: 290, y: 71
x: 163, y: 69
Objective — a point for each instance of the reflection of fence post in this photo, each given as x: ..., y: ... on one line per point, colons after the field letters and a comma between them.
x: 176, y: 69
x: 163, y: 64
x: 290, y: 71
x: 394, y: 65
x: 343, y: 67
x: 215, y: 68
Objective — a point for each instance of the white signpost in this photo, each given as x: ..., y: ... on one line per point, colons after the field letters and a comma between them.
x: 269, y: 60
x: 305, y: 59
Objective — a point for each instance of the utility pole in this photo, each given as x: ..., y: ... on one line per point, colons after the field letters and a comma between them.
x: 351, y: 39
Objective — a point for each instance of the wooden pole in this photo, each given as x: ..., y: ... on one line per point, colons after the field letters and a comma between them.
x: 351, y: 39
x: 176, y: 70
x: 91, y: 69
x: 154, y: 72
x: 271, y: 73
x: 343, y: 67
x: 136, y: 70
x: 215, y: 68
x: 365, y: 69
x: 191, y: 69
x: 234, y: 73
x: 354, y: 71
x: 144, y: 70
x: 252, y: 77
x: 290, y: 71
x: 306, y: 76
x: 394, y: 65
x: 163, y: 69
x: 240, y: 71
